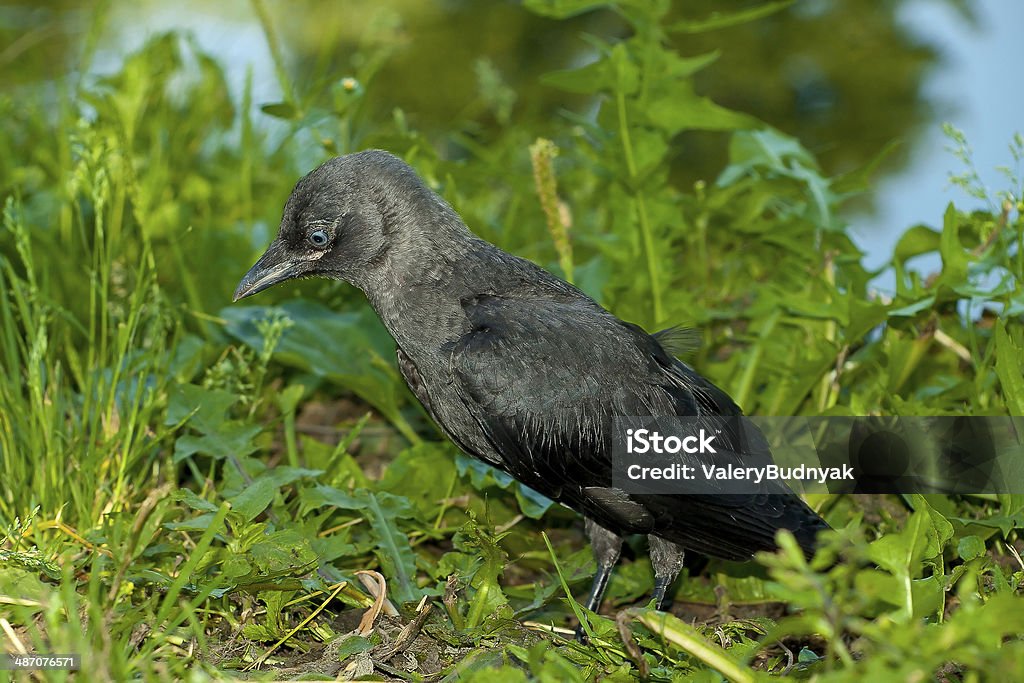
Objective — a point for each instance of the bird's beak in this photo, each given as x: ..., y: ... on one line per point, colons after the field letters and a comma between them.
x: 273, y: 267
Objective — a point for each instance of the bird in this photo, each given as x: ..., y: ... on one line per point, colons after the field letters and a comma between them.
x: 518, y: 367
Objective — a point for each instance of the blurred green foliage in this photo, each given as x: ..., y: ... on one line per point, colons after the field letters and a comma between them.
x: 185, y: 484
x: 817, y: 67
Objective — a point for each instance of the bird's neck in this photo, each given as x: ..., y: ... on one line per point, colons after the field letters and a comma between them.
x: 418, y: 288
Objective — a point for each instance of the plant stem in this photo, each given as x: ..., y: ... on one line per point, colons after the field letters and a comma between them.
x: 747, y: 379
x: 641, y: 209
x: 275, y: 52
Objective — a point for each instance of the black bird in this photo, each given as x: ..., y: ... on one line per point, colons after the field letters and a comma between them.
x: 519, y: 368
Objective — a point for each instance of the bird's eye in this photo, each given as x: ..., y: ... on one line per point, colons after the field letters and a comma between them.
x: 318, y: 238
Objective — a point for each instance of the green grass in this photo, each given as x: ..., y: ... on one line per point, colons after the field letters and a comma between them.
x: 188, y: 488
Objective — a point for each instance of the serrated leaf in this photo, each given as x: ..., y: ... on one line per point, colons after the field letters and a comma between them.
x: 480, y: 561
x: 232, y: 439
x: 382, y: 510
x: 189, y: 497
x: 683, y: 109
x: 955, y: 258
x: 969, y: 548
x: 614, y: 73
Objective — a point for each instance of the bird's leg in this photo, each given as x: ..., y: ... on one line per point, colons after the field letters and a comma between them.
x: 667, y: 560
x: 607, y: 547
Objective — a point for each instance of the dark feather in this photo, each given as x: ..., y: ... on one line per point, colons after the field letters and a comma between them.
x: 678, y: 340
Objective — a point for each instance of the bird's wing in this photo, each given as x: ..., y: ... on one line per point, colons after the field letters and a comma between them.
x: 414, y: 380
x: 543, y: 378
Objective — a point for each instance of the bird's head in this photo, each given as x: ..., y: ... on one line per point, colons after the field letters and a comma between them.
x: 340, y: 220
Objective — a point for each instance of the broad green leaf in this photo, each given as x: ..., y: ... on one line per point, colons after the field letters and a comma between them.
x: 768, y: 148
x: 941, y: 530
x: 482, y: 475
x: 683, y: 110
x: 970, y: 547
x: 901, y: 553
x: 279, y: 554
x: 205, y: 409
x: 255, y: 497
x: 910, y: 310
x: 432, y: 466
x: 25, y: 587
x: 396, y: 557
x: 353, y: 645
x: 918, y: 240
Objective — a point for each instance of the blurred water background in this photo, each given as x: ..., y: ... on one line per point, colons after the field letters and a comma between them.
x: 848, y: 77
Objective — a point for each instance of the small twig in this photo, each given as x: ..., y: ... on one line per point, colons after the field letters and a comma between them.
x: 622, y: 620
x: 840, y: 362
x: 790, y: 658
x: 953, y: 345
x: 548, y: 628
x: 344, y: 525
x: 509, y: 524
x: 1015, y: 554
x: 409, y: 633
x: 451, y: 600
x: 19, y: 647
x: 12, y: 636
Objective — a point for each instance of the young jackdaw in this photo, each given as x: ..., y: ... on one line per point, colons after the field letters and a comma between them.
x: 519, y: 368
